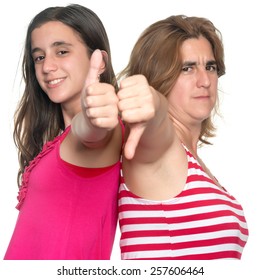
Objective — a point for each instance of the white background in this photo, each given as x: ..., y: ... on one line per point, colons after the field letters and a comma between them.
x: 234, y: 157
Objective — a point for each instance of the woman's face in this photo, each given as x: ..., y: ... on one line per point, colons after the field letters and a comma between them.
x: 61, y: 63
x: 193, y: 97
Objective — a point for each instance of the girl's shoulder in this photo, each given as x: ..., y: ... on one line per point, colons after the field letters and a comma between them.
x: 47, y: 147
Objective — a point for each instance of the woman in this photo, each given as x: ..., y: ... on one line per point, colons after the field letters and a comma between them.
x: 69, y: 140
x: 170, y: 204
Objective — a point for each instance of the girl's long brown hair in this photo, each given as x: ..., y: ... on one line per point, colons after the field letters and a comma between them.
x: 37, y: 118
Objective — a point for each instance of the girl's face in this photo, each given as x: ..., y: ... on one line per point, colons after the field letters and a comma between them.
x: 194, y: 95
x: 61, y: 63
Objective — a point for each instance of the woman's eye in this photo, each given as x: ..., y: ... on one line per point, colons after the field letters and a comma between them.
x: 186, y: 68
x: 211, y: 68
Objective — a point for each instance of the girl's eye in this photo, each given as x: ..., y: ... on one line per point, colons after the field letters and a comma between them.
x: 38, y: 58
x: 62, y: 52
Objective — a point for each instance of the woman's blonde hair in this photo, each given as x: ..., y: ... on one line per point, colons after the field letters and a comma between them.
x: 156, y: 55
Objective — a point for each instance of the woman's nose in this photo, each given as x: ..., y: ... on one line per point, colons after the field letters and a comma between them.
x: 203, y: 78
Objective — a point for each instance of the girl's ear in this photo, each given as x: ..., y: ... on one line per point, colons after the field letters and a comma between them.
x: 104, y: 62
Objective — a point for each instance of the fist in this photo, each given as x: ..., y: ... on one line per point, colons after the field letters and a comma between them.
x: 138, y: 103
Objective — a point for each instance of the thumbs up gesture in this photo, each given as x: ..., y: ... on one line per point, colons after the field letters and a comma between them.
x: 98, y: 103
x: 99, y: 100
x: 138, y: 103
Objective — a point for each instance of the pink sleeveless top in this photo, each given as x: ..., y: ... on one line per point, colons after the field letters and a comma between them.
x: 203, y: 222
x: 65, y: 214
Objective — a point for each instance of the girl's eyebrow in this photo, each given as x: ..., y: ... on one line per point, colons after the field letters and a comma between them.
x: 55, y: 44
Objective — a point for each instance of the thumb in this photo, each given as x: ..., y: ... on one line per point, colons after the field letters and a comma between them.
x: 95, y: 64
x: 135, y: 134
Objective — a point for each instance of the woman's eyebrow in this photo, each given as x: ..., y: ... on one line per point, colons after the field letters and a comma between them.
x: 192, y: 63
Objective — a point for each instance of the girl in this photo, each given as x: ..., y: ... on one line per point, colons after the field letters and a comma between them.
x: 69, y: 140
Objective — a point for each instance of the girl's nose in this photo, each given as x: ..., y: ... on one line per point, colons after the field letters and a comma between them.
x: 49, y: 64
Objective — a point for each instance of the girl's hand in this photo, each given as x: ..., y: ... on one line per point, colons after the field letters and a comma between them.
x: 99, y: 100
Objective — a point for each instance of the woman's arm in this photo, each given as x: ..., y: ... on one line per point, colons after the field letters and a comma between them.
x: 145, y: 111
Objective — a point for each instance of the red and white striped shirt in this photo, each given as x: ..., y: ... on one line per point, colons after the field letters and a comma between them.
x: 202, y: 222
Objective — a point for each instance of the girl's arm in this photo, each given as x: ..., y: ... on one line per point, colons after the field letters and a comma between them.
x: 99, y: 115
